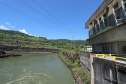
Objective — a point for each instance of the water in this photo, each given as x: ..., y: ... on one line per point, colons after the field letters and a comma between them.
x: 34, y: 69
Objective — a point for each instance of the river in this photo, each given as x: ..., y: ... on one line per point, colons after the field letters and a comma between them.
x: 31, y: 68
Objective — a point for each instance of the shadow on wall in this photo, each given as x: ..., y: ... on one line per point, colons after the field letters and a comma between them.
x: 108, y: 72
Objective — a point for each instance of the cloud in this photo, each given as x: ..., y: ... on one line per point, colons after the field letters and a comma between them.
x: 30, y: 34
x: 10, y: 25
x: 23, y: 31
x: 3, y: 27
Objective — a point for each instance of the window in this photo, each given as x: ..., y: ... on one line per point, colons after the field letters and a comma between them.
x: 105, y: 20
x: 124, y: 3
x: 97, y: 28
x: 99, y: 19
x: 108, y: 48
x: 117, y: 12
x: 91, y: 31
x: 100, y: 24
x: 111, y: 49
x: 124, y: 0
x: 105, y: 49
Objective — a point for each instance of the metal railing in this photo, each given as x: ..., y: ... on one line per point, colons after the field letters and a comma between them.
x: 114, y: 56
x: 119, y: 16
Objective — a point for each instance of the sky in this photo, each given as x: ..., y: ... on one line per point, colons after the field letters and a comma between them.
x: 53, y: 19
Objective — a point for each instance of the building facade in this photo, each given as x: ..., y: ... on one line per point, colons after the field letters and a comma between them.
x: 88, y: 48
x: 107, y: 28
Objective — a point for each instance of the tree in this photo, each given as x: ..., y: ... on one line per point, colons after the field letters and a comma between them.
x: 86, y: 43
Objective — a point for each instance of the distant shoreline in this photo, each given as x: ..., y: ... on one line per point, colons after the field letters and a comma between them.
x: 39, y: 52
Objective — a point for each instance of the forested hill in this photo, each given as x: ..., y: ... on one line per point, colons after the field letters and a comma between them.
x: 16, y: 38
x: 77, y: 42
x: 16, y: 35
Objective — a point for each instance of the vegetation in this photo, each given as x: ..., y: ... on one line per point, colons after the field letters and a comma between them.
x: 75, y: 68
x: 18, y: 39
x: 16, y: 35
x: 120, y: 23
x: 108, y: 28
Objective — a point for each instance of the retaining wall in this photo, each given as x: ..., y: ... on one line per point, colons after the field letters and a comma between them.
x: 85, y: 62
x: 108, y: 71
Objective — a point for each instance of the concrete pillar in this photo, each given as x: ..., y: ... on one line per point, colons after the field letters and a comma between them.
x: 92, y: 69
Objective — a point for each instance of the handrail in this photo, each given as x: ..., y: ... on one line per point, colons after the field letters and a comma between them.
x: 110, y: 55
x: 97, y: 55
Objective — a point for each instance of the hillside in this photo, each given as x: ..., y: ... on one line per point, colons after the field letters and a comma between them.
x: 18, y: 39
x: 16, y: 35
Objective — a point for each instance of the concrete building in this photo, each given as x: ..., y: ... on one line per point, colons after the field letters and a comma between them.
x: 107, y: 35
x: 107, y: 28
x: 88, y: 48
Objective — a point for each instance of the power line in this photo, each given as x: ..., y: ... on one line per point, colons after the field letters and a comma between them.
x: 24, y: 14
x: 21, y: 13
x: 38, y: 12
x: 51, y: 15
x: 73, y: 39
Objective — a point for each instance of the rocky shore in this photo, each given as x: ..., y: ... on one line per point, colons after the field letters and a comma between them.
x: 12, y: 49
x: 3, y: 54
x: 7, y: 55
x: 27, y: 49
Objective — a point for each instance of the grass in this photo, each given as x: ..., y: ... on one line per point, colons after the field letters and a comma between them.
x: 120, y: 23
x: 76, y: 68
x: 108, y: 28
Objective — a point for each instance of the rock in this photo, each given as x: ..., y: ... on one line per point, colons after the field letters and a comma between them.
x: 2, y: 52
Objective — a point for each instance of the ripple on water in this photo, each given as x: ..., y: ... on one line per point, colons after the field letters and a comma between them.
x: 31, y: 79
x: 34, y: 69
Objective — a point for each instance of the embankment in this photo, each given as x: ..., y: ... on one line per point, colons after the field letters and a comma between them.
x: 3, y: 54
x: 27, y: 49
x: 72, y: 60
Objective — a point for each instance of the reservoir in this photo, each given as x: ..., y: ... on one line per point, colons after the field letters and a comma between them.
x: 34, y: 68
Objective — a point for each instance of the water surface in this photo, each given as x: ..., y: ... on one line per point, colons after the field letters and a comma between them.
x: 34, y: 69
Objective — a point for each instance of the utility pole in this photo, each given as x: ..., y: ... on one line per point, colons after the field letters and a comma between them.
x: 73, y: 39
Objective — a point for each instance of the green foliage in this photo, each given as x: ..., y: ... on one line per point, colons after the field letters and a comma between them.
x: 108, y: 28
x: 77, y: 49
x: 64, y: 57
x: 120, y: 23
x: 16, y: 35
x: 69, y: 62
x: 65, y: 44
x: 16, y: 38
x: 75, y: 67
x: 86, y: 43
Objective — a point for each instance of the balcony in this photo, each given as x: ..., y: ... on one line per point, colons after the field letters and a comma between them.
x: 111, y: 34
x: 115, y: 19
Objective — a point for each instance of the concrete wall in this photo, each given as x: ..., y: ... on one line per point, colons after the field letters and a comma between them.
x: 115, y: 34
x: 121, y: 73
x: 85, y: 62
x: 99, y: 10
x: 103, y: 71
x: 105, y: 8
x: 108, y: 72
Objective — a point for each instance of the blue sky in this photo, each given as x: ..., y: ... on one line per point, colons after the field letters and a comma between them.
x: 53, y: 19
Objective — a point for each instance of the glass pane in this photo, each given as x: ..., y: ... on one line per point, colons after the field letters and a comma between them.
x: 105, y: 22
